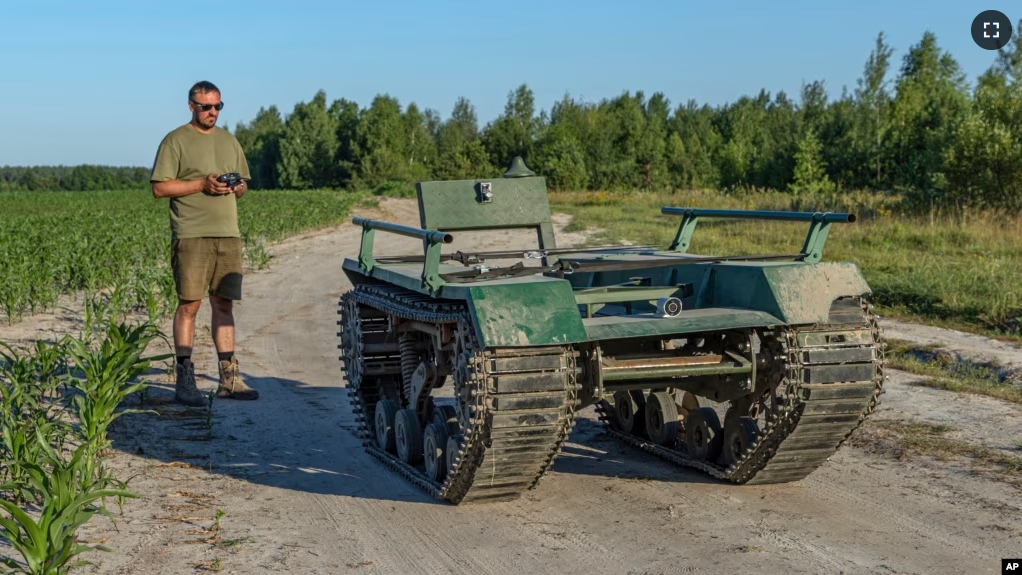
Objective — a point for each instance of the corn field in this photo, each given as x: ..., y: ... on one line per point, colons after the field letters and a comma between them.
x: 54, y: 243
x: 57, y: 402
x: 59, y: 398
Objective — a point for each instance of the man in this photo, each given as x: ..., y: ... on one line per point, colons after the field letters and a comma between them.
x: 205, y: 238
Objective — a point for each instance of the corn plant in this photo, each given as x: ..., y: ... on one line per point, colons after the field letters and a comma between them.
x: 107, y: 372
x: 210, y: 398
x: 25, y: 411
x: 70, y: 494
x: 255, y: 252
x: 100, y: 313
x: 23, y: 444
x: 49, y: 366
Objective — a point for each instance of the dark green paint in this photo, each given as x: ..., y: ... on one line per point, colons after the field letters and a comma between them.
x: 796, y: 293
x: 518, y: 169
x: 519, y: 202
x: 522, y: 314
x: 793, y: 292
x: 407, y: 275
x: 690, y: 321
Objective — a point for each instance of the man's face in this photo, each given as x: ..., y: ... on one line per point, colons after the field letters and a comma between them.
x: 201, y: 116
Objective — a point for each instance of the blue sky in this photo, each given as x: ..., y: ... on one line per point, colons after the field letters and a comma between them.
x: 102, y: 81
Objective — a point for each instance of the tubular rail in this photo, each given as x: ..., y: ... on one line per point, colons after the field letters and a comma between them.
x: 812, y: 248
x: 432, y: 241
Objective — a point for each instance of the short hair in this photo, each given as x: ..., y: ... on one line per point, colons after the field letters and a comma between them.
x: 204, y: 87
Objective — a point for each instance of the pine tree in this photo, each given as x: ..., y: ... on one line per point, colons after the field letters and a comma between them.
x: 810, y: 168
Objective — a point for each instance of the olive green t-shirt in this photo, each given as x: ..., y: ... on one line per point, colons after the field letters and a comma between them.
x: 187, y: 154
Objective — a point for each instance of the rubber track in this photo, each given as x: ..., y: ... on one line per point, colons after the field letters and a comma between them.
x: 813, y: 424
x: 512, y: 435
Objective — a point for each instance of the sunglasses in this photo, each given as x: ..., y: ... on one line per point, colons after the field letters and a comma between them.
x: 207, y: 107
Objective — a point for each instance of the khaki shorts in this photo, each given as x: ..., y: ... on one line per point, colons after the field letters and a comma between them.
x: 205, y: 266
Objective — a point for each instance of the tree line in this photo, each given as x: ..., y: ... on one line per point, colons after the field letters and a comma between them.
x: 80, y: 178
x: 913, y: 127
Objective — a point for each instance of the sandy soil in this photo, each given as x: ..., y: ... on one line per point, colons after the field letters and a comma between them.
x: 298, y: 494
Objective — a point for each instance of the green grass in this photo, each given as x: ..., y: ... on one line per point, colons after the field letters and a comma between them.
x: 945, y: 371
x: 53, y: 243
x: 958, y: 272
x: 901, y: 439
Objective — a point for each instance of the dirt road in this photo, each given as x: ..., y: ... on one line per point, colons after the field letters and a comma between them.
x: 299, y: 495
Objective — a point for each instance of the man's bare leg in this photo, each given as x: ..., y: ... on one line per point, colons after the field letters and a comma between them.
x: 184, y: 327
x: 223, y: 324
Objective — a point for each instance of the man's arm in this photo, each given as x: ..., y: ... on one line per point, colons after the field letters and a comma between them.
x: 164, y: 174
x: 180, y: 188
x: 176, y: 188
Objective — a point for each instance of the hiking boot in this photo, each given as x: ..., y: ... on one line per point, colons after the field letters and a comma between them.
x: 185, y: 390
x: 231, y: 384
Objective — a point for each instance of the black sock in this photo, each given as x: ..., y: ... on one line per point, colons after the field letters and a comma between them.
x: 183, y: 358
x: 225, y: 355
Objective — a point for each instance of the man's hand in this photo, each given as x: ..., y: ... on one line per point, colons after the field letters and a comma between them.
x: 211, y: 186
